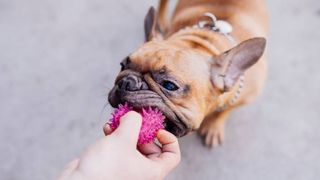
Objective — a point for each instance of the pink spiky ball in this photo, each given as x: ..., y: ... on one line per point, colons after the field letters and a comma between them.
x: 152, y: 121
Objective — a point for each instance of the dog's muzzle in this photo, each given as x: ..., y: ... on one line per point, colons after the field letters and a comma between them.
x: 140, y: 91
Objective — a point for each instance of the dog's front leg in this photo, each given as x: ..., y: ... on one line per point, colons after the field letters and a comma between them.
x: 212, y: 128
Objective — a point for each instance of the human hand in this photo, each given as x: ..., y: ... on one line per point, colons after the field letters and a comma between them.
x: 117, y: 156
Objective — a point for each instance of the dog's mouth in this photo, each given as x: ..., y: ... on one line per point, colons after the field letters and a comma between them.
x: 147, y: 98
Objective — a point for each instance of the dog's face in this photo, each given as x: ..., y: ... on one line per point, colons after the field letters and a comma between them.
x: 184, y: 84
x: 165, y: 76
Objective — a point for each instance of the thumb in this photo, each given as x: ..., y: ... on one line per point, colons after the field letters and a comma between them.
x: 129, y: 127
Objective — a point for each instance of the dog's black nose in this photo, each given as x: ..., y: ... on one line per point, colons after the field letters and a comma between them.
x: 131, y: 83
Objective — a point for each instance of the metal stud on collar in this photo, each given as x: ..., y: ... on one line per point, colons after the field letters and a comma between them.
x: 216, y: 25
x: 238, y: 92
x: 234, y: 98
x: 211, y: 24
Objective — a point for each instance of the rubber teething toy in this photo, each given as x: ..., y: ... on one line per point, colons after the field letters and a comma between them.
x: 152, y: 121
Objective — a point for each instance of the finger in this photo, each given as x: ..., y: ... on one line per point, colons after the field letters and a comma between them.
x: 129, y: 127
x: 150, y: 150
x: 169, y: 142
x: 107, y: 129
x: 170, y: 156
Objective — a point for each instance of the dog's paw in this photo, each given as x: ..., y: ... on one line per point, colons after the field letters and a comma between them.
x: 212, y: 133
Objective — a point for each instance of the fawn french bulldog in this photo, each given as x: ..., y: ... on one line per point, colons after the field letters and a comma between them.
x: 195, y: 74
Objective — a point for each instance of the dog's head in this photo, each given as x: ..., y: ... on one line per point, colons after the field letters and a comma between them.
x: 183, y: 83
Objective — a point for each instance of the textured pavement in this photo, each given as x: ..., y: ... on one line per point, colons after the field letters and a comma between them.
x: 58, y: 60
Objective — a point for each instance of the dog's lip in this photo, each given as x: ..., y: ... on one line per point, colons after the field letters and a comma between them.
x: 148, y: 98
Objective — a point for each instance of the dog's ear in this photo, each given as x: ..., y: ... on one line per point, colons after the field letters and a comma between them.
x: 230, y: 65
x: 151, y: 25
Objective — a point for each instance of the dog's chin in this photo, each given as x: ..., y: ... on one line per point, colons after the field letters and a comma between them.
x: 147, y: 98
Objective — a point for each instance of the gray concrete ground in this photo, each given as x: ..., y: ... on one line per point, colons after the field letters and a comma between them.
x: 58, y: 60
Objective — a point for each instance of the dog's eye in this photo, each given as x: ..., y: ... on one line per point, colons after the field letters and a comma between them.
x: 169, y: 85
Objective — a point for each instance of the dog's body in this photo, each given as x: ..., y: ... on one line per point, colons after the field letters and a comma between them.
x: 190, y: 73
